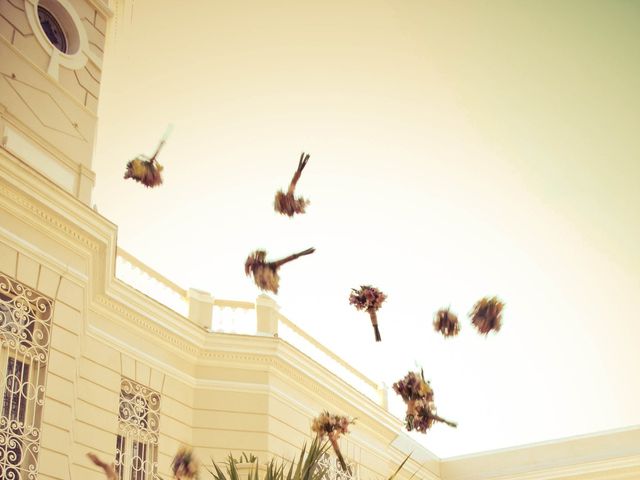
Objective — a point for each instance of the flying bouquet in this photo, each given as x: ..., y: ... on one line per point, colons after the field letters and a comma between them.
x: 446, y: 322
x: 184, y: 465
x: 370, y: 299
x: 486, y: 315
x: 332, y: 426
x: 286, y: 203
x: 265, y: 274
x: 109, y: 469
x: 147, y: 170
x: 418, y: 396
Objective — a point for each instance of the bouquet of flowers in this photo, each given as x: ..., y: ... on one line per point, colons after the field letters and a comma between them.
x: 486, y: 315
x: 446, y: 322
x: 108, y: 468
x: 265, y: 274
x: 370, y: 299
x: 332, y: 426
x: 147, y: 170
x: 286, y: 203
x: 418, y: 395
x: 184, y: 465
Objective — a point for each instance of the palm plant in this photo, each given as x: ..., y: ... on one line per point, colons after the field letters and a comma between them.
x: 306, y: 468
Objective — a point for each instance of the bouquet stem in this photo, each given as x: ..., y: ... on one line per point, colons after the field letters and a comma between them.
x: 153, y: 159
x: 162, y: 142
x: 109, y: 469
x: 444, y: 420
x: 296, y: 176
x: 374, y: 322
x: 288, y: 259
x: 336, y: 449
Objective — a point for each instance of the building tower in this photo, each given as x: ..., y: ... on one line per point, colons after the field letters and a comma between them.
x: 51, y: 55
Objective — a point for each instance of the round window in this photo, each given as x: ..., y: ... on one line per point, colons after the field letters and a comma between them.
x: 52, y: 29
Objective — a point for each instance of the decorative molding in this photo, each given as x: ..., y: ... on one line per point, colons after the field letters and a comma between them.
x: 40, y: 160
x: 42, y: 257
x: 102, y: 7
x: 159, y: 332
x: 605, y: 467
x: 42, y: 192
x: 34, y: 69
x: 48, y: 218
x: 56, y: 123
x: 612, y: 454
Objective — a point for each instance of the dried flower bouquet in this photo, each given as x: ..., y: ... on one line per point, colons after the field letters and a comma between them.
x: 185, y: 465
x: 287, y: 203
x: 147, y: 170
x: 332, y: 426
x: 486, y: 314
x: 369, y: 299
x: 446, y: 322
x: 418, y: 396
x: 265, y: 274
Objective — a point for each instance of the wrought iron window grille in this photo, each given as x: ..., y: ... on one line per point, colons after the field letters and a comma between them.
x: 333, y: 470
x: 138, y: 424
x: 25, y: 335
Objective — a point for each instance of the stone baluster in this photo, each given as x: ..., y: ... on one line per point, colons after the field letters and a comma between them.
x: 200, y: 308
x: 267, y: 316
x: 383, y: 396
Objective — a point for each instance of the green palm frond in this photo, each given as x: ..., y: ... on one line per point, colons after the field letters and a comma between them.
x: 306, y: 467
x: 400, y: 468
x: 217, y: 474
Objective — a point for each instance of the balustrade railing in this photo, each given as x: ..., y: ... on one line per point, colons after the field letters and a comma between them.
x: 145, y: 279
x: 231, y: 316
x: 248, y: 318
x: 291, y: 333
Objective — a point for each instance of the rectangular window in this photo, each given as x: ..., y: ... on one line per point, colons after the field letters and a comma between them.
x: 25, y: 326
x: 137, y: 440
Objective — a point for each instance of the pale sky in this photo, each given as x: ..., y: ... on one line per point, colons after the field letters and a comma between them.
x: 458, y: 149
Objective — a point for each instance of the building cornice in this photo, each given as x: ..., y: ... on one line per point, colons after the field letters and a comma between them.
x: 618, y: 468
x: 611, y: 455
